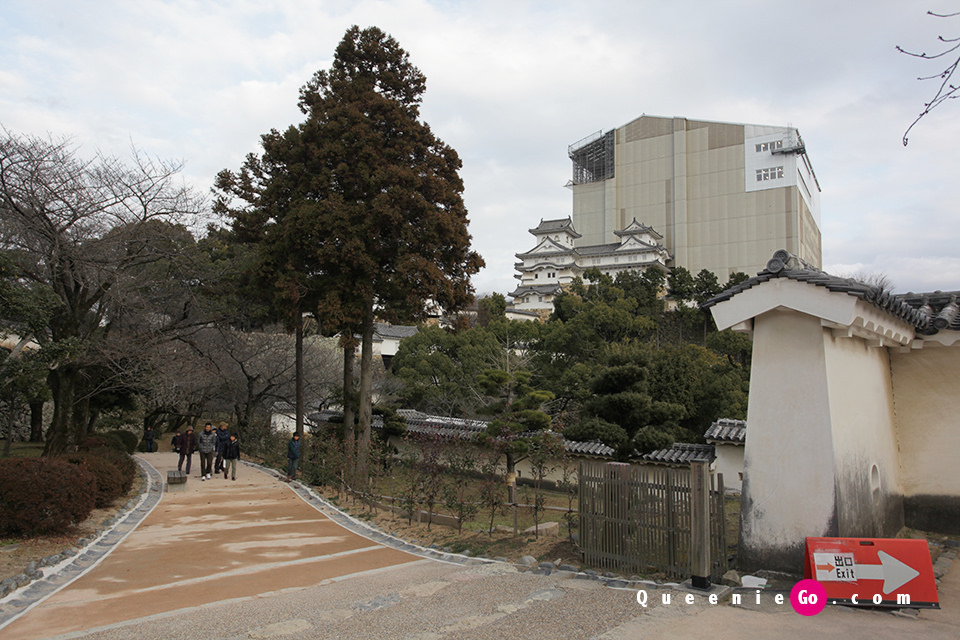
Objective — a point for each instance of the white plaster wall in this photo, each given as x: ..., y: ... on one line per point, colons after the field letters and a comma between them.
x: 730, y: 463
x: 283, y: 423
x: 927, y: 402
x: 788, y: 490
x: 864, y: 437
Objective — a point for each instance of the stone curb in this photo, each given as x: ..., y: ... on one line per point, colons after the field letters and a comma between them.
x: 44, y: 578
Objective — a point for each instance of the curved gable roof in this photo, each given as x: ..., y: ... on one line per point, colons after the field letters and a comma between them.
x: 926, y: 313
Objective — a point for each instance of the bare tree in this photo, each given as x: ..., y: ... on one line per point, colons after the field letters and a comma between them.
x: 87, y: 229
x: 950, y: 53
x: 251, y: 370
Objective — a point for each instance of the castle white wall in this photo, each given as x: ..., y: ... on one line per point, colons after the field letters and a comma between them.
x: 926, y: 396
x: 789, y: 474
x: 866, y: 459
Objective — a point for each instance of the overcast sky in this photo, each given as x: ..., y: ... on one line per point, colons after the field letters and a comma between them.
x: 510, y: 84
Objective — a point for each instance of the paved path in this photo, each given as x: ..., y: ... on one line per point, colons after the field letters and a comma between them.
x: 218, y: 539
x: 258, y: 558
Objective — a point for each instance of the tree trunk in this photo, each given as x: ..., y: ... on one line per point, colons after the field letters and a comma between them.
x: 36, y: 421
x: 349, y: 444
x: 299, y: 371
x: 63, y: 384
x: 8, y: 443
x: 81, y: 420
x: 366, y: 396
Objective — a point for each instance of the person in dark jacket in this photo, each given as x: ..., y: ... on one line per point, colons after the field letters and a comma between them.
x: 149, y: 437
x: 293, y: 456
x: 223, y: 437
x: 207, y: 445
x: 231, y: 453
x: 188, y: 443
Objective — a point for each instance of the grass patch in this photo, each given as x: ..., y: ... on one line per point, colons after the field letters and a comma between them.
x: 23, y: 449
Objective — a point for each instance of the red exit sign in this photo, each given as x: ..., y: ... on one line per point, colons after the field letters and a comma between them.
x: 873, y: 572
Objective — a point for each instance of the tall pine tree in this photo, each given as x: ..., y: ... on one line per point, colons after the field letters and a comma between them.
x: 358, y: 210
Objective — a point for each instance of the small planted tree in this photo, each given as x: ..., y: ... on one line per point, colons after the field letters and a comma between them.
x: 569, y: 475
x: 544, y: 449
x: 430, y: 471
x: 461, y: 462
x: 492, y: 487
x: 411, y: 493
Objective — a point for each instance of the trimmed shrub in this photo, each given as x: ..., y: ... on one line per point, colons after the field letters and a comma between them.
x: 130, y: 440
x: 43, y: 496
x: 123, y: 462
x: 109, y: 477
x: 103, y: 441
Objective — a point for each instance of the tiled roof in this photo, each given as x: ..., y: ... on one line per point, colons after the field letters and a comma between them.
x: 727, y: 430
x: 385, y: 330
x: 549, y: 226
x: 459, y: 429
x: 543, y: 289
x: 928, y: 313
x: 681, y: 453
x: 637, y: 227
x: 592, y: 448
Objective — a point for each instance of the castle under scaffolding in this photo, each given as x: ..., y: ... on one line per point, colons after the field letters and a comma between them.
x: 593, y: 158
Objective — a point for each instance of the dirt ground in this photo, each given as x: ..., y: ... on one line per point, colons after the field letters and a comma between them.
x: 501, y: 544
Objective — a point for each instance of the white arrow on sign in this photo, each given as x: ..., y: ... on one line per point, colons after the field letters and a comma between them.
x: 893, y: 572
x: 840, y: 567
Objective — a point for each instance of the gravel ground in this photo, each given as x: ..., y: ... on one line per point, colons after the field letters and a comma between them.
x: 430, y: 599
x: 417, y: 601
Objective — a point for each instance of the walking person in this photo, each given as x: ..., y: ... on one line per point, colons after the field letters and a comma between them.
x: 223, y: 437
x: 148, y: 437
x: 207, y: 445
x: 187, y: 443
x: 231, y: 453
x: 293, y: 457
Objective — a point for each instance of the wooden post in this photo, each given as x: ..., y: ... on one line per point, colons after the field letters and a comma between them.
x: 700, y: 524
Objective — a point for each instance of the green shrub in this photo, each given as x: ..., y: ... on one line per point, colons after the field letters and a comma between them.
x: 43, y: 496
x: 124, y: 463
x: 130, y: 440
x: 110, y: 479
x: 109, y: 440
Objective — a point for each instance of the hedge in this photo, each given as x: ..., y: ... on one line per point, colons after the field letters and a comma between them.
x: 43, y: 496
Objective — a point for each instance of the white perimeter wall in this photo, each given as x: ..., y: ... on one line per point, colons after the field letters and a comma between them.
x: 864, y: 438
x: 729, y: 462
x: 788, y: 491
x: 927, y: 400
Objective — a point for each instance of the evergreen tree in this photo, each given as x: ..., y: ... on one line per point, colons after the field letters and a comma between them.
x: 359, y: 208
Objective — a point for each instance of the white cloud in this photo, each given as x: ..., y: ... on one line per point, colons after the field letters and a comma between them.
x: 510, y: 85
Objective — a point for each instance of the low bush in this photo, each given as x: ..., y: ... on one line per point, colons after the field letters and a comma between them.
x: 109, y: 440
x: 130, y: 440
x: 43, y: 496
x: 123, y: 462
x: 110, y: 480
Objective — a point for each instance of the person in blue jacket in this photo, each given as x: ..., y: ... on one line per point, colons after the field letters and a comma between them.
x: 293, y: 456
x: 223, y: 437
x: 231, y: 453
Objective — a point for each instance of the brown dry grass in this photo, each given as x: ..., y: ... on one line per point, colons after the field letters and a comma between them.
x: 500, y: 544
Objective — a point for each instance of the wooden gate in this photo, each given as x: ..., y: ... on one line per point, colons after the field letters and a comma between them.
x: 637, y: 519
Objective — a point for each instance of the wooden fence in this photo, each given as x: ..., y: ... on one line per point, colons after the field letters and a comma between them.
x: 637, y: 519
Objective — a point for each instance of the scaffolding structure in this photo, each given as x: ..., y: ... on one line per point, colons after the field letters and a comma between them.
x: 593, y: 157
